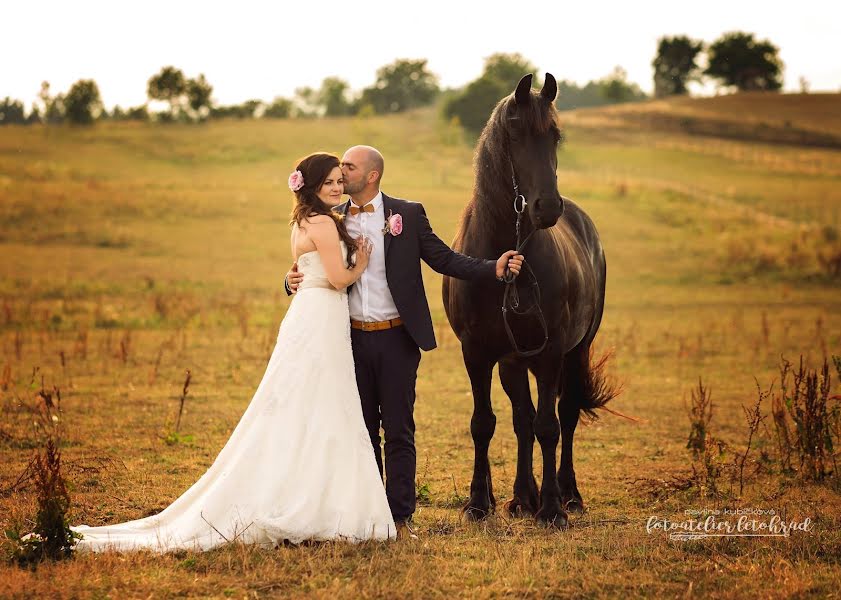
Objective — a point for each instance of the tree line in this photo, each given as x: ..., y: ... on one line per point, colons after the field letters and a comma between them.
x: 736, y: 59
x: 399, y: 86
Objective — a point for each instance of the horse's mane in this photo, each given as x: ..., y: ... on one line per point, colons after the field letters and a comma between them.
x: 492, y: 158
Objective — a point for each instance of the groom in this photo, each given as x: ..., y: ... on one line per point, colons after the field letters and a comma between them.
x: 390, y: 319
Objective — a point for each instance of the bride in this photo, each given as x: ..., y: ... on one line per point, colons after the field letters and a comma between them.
x: 299, y: 464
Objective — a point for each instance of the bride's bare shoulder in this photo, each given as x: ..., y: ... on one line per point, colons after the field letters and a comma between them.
x: 318, y: 219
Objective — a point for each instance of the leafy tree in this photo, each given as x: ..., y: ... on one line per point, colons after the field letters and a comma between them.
x: 83, y: 102
x: 198, y: 96
x: 305, y: 103
x: 616, y: 88
x: 737, y: 59
x: 473, y: 105
x: 675, y: 65
x: 11, y: 112
x: 138, y: 113
x: 34, y: 115
x: 53, y: 106
x: 508, y: 69
x: 804, y: 85
x: 571, y: 95
x: 169, y: 85
x: 401, y: 85
x: 249, y: 109
x: 280, y: 108
x: 333, y: 97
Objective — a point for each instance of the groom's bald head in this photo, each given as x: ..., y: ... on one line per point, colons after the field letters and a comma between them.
x: 362, y: 167
x: 367, y: 158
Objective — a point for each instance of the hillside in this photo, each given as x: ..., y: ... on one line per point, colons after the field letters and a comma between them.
x: 796, y: 119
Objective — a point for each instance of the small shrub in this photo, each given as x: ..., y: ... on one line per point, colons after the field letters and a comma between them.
x: 422, y: 493
x: 52, y: 538
x: 708, y: 467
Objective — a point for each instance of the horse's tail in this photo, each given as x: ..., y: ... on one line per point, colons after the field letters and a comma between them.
x: 586, y: 382
x: 598, y: 388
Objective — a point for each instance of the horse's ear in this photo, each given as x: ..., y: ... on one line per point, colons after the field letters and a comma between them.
x: 523, y: 90
x: 550, y: 88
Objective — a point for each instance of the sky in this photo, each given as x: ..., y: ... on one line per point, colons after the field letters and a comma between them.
x: 260, y: 49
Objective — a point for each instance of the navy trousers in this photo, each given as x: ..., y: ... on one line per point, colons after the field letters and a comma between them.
x: 386, y: 370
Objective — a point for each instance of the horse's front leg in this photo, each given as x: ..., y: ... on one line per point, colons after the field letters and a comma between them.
x: 547, y: 429
x: 515, y: 381
x: 482, y: 426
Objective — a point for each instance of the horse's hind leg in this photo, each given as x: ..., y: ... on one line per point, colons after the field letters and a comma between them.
x: 571, y: 398
x: 548, y: 432
x: 482, y: 426
x: 515, y: 382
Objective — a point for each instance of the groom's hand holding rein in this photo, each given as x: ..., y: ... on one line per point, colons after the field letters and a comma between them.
x: 512, y: 260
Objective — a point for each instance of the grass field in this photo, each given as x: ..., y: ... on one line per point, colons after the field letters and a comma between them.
x: 131, y: 252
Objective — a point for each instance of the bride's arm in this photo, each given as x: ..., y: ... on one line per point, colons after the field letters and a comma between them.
x: 323, y: 233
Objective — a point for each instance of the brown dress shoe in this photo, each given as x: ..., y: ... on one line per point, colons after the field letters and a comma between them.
x: 405, y: 532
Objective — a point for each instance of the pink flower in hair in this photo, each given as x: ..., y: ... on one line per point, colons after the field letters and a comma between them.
x: 296, y: 181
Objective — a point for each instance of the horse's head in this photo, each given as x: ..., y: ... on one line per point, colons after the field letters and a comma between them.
x: 531, y: 123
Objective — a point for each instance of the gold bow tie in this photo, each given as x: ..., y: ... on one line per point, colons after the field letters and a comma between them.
x: 355, y: 210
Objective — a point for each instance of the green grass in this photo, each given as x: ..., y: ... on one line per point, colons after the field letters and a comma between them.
x: 177, y: 236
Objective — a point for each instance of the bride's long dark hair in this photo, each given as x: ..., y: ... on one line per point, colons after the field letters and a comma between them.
x: 316, y: 168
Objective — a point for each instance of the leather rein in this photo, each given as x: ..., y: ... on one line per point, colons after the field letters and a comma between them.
x: 510, y: 297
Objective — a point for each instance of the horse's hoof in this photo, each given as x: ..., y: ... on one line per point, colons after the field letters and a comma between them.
x: 555, y: 517
x: 517, y: 508
x: 475, y: 513
x: 574, y: 506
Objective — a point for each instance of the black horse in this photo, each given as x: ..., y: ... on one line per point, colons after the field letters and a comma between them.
x: 517, y: 155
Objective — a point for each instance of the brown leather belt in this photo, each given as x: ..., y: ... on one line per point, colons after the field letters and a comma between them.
x: 376, y: 325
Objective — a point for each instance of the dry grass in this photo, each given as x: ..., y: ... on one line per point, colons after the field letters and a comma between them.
x: 799, y: 119
x: 133, y: 253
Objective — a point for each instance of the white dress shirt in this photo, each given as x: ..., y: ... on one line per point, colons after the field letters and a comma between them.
x: 370, y: 298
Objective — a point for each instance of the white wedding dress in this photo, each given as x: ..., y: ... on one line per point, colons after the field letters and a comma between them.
x: 298, y: 466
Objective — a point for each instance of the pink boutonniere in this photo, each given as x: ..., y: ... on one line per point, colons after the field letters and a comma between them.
x: 393, y: 224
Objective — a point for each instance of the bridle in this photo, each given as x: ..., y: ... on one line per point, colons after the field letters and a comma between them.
x: 510, y: 297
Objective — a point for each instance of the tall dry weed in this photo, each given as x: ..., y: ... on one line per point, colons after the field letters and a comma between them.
x: 700, y: 415
x: 51, y: 538
x: 807, y: 420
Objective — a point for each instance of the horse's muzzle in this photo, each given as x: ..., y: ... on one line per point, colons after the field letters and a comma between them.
x: 545, y: 213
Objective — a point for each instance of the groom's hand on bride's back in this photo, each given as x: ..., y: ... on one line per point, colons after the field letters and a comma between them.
x: 293, y: 279
x: 512, y: 260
